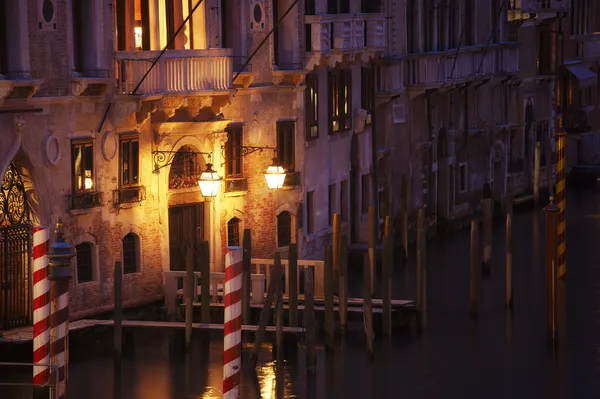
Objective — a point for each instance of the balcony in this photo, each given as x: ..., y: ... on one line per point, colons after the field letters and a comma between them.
x: 129, y: 195
x: 334, y: 35
x: 236, y: 185
x: 437, y: 69
x: 177, y: 71
x: 84, y: 200
x: 575, y: 120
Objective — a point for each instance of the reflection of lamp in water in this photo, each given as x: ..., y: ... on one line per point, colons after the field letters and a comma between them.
x: 275, y: 175
x: 209, y: 182
x: 138, y: 35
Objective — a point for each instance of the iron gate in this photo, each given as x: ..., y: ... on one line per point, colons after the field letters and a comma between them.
x: 15, y: 252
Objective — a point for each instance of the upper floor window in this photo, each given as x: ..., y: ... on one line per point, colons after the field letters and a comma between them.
x: 368, y: 92
x: 284, y: 229
x: 233, y: 151
x: 131, y: 253
x: 85, y: 262
x: 338, y: 6
x: 85, y: 36
x: 312, y: 107
x: 233, y: 232
x: 14, y: 48
x: 310, y: 7
x: 340, y: 100
x: 130, y: 161
x: 365, y: 193
x: 286, y: 152
x: 331, y: 202
x: 371, y: 6
x: 310, y: 212
x: 83, y: 165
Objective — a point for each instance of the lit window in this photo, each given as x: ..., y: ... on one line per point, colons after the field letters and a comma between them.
x: 83, y: 166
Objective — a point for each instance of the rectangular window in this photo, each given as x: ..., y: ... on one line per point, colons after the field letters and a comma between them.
x: 368, y: 92
x: 339, y: 100
x: 312, y: 107
x: 130, y: 253
x: 130, y: 161
x: 370, y: 6
x: 85, y: 269
x: 233, y: 232
x: 83, y: 165
x: 285, y: 145
x: 344, y: 200
x: 331, y: 202
x: 366, y: 193
x: 170, y: 18
x: 462, y: 177
x: 233, y: 151
x: 310, y: 7
x: 310, y: 212
x: 338, y: 6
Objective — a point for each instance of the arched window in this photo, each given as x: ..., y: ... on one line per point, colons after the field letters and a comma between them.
x: 186, y: 168
x: 85, y: 262
x: 233, y: 232
x: 131, y: 253
x: 284, y: 229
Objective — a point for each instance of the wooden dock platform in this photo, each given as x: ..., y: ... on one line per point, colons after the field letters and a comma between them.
x: 25, y: 334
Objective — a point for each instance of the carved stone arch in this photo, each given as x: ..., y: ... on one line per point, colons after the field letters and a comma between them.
x: 84, y: 236
x: 286, y: 206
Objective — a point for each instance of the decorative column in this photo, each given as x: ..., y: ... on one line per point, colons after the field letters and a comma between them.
x: 41, y: 311
x: 60, y: 255
x: 232, y: 349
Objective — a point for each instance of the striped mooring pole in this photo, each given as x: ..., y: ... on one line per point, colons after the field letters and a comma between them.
x: 41, y: 311
x: 561, y: 144
x: 59, y: 256
x: 232, y: 349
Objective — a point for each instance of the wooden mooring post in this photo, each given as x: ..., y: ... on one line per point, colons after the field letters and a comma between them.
x: 204, y: 282
x: 190, y: 288
x: 246, y: 276
x: 536, y: 173
x: 266, y: 310
x: 329, y: 315
x: 368, y: 303
x: 309, y: 319
x: 118, y: 313
x: 474, y: 261
x: 487, y: 230
x: 509, y: 218
x: 336, y: 240
x: 552, y: 211
x: 422, y: 268
x: 279, y: 376
x: 293, y: 284
x: 372, y: 242
x: 387, y: 263
x: 343, y: 282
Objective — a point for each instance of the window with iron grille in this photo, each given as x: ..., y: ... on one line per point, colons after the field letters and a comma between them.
x: 368, y: 92
x: 185, y: 169
x: 85, y: 264
x: 284, y: 229
x: 312, y: 107
x: 339, y: 100
x: 130, y: 161
x: 130, y: 253
x: 83, y: 166
x: 233, y: 232
x: 233, y: 151
x: 285, y: 145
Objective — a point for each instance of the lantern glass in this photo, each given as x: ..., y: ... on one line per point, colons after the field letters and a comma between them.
x: 275, y: 176
x: 209, y: 182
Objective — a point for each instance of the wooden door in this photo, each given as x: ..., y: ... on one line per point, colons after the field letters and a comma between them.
x: 186, y: 228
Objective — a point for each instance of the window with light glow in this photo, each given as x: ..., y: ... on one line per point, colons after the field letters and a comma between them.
x: 312, y: 107
x: 340, y: 100
x: 83, y: 165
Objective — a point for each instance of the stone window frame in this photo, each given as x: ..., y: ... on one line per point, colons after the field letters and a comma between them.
x: 87, y: 238
x: 312, y: 106
x: 339, y: 91
x: 138, y: 256
x: 82, y: 142
x: 462, y: 189
x: 124, y: 138
x: 231, y: 229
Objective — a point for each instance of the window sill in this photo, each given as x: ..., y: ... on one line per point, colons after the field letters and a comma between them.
x: 87, y: 284
x: 85, y: 211
x: 235, y: 194
x: 138, y: 273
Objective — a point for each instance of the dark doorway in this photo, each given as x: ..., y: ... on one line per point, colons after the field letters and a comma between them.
x: 186, y: 228
x: 15, y: 249
x: 354, y: 192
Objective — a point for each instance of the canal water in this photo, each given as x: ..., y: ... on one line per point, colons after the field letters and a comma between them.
x: 500, y: 355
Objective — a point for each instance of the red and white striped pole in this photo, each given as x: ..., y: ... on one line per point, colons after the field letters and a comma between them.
x: 232, y: 350
x: 41, y: 308
x: 59, y: 256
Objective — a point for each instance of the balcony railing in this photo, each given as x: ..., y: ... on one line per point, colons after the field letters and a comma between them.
x: 575, y: 120
x: 236, y: 184
x: 177, y: 71
x: 129, y: 195
x: 84, y: 200
x: 469, y: 63
x: 345, y: 32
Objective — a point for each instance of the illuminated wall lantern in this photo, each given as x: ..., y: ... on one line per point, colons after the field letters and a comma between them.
x: 275, y: 175
x: 209, y: 182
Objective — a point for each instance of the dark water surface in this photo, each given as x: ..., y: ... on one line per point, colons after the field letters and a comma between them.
x: 498, y: 356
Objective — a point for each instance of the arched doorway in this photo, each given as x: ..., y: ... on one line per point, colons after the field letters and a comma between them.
x: 15, y: 248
